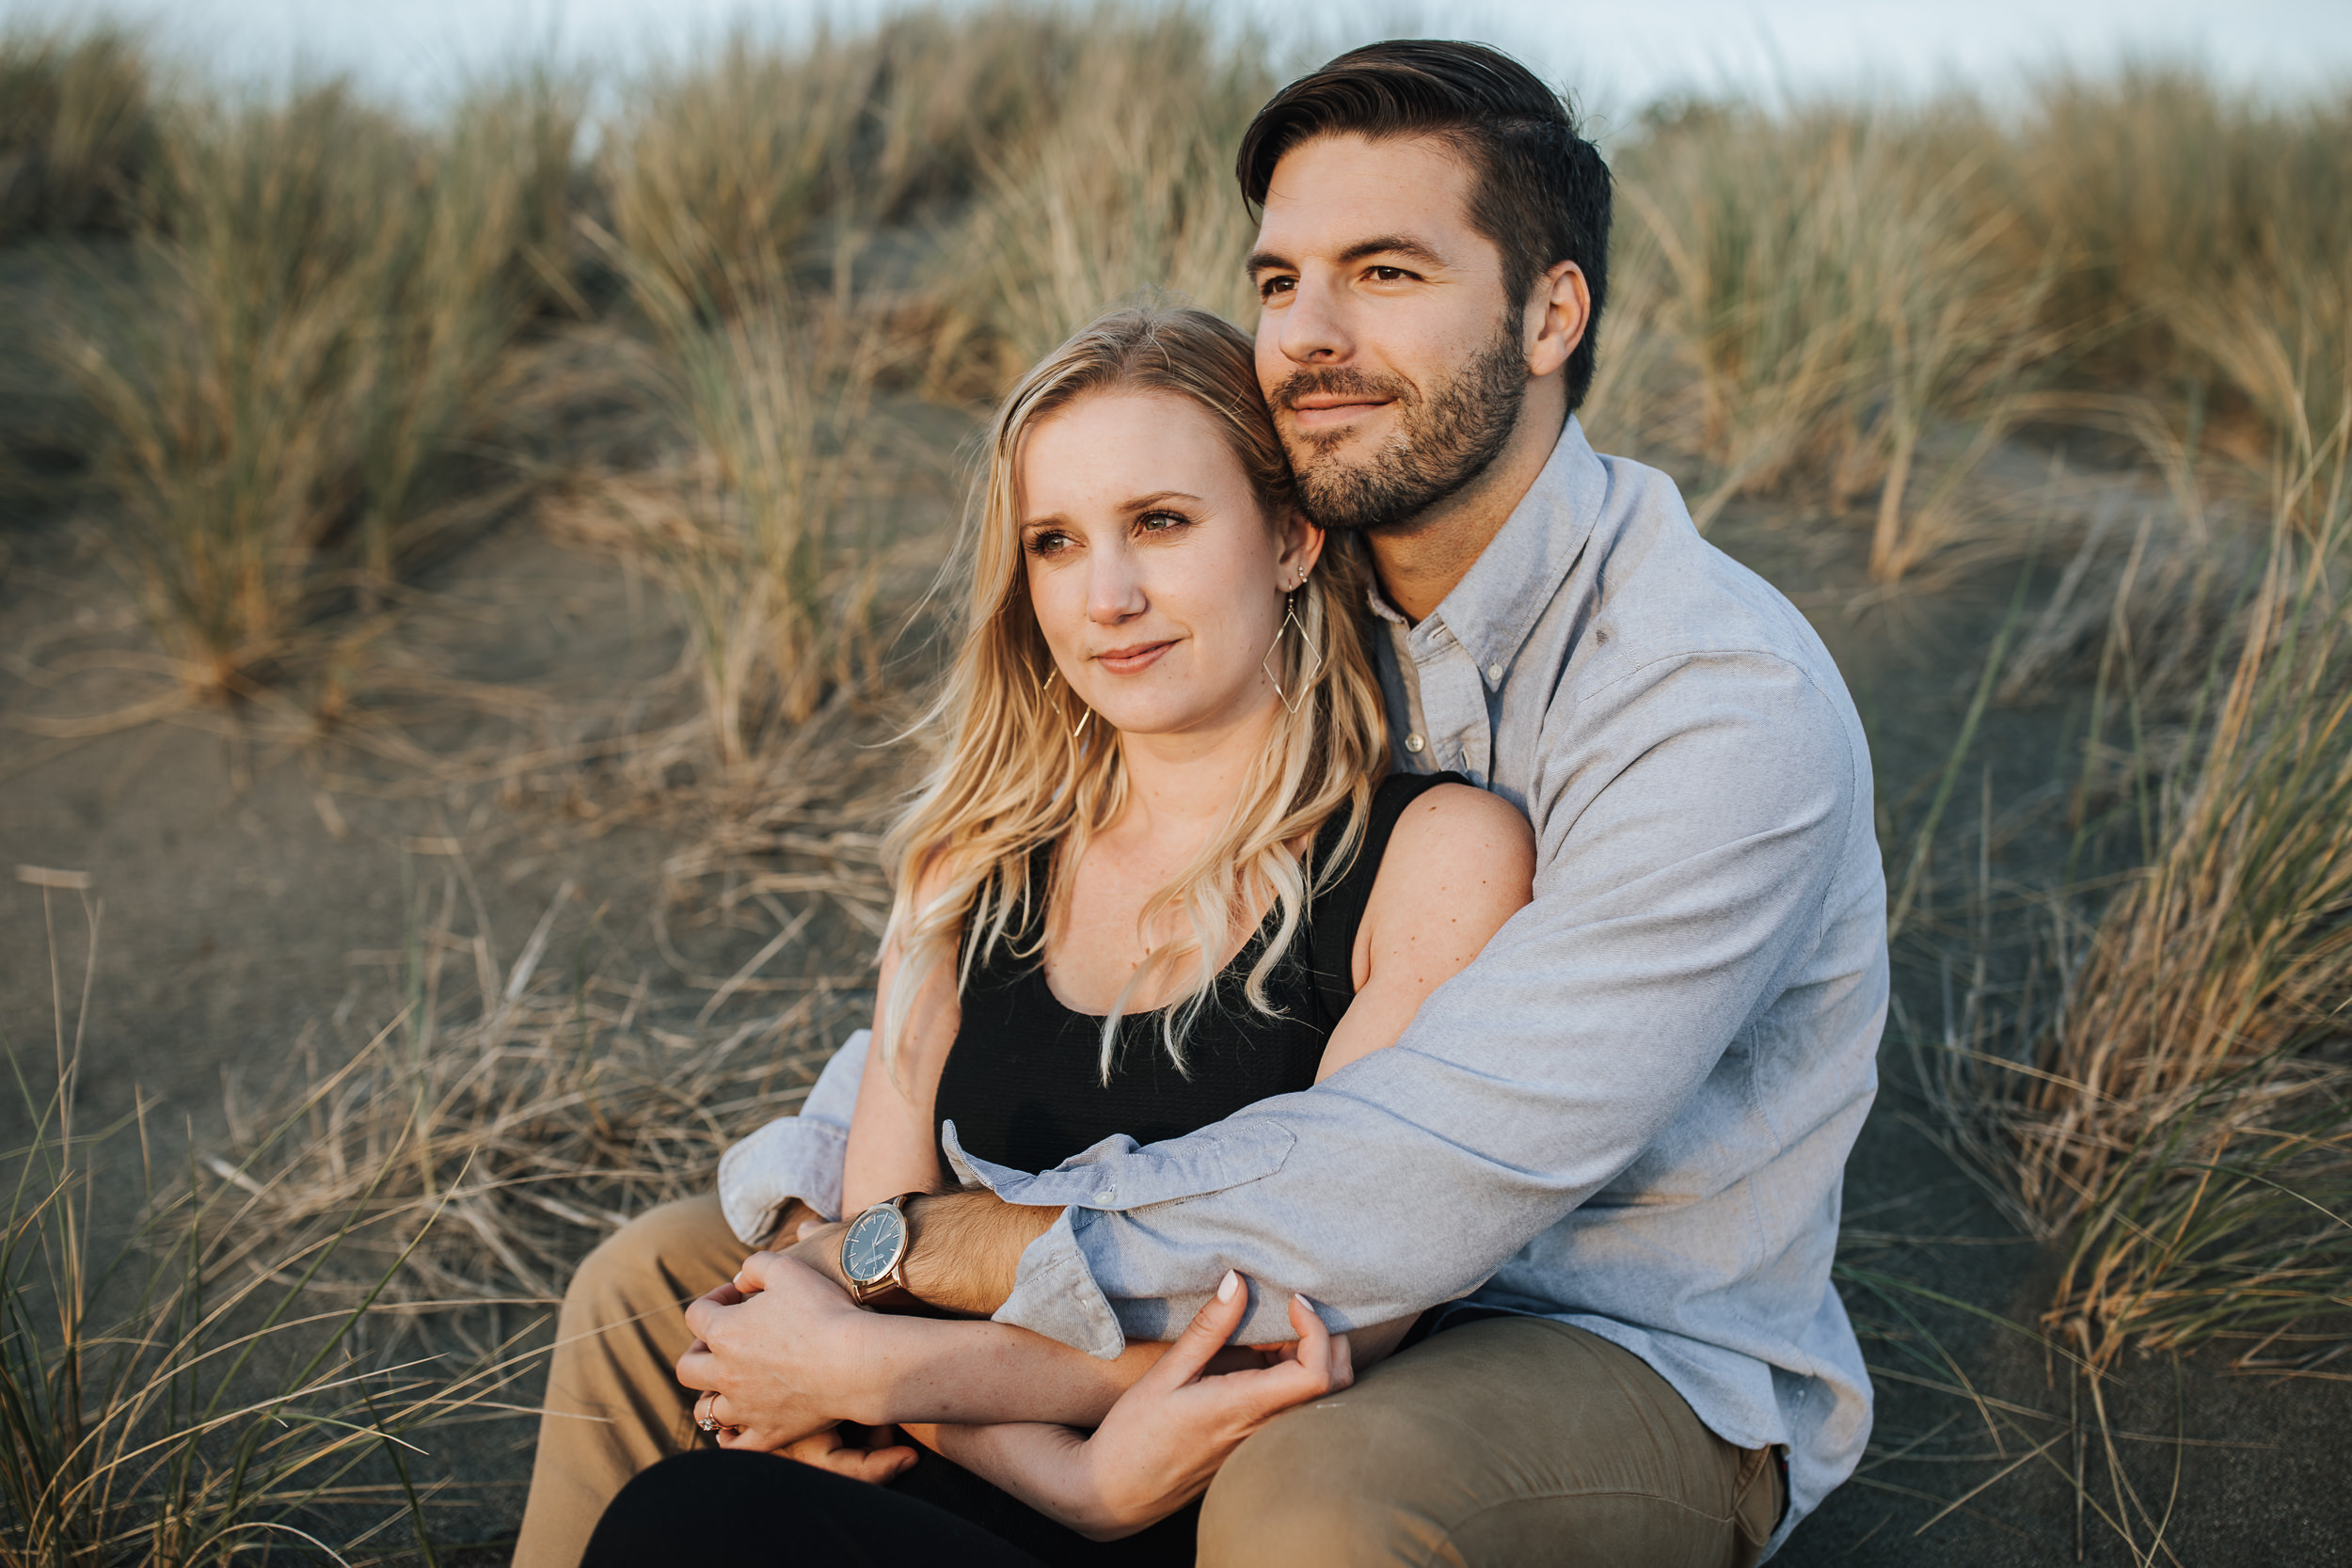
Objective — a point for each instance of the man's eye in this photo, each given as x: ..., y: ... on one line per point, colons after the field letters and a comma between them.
x: 1390, y: 275
x: 1273, y: 286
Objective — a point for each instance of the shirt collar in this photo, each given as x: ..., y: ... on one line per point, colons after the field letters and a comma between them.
x: 1495, y: 604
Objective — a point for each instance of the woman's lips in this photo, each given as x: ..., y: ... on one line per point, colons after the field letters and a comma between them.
x: 1126, y: 662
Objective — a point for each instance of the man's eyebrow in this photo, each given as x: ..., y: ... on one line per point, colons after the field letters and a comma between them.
x: 1380, y: 244
x: 1392, y: 244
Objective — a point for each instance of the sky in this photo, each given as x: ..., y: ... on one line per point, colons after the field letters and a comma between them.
x: 1612, y: 54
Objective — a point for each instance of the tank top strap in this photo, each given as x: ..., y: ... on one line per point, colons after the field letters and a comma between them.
x: 1335, y: 917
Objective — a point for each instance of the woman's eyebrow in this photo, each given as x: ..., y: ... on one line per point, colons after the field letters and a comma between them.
x: 1155, y: 498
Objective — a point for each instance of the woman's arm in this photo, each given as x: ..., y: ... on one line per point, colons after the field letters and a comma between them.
x: 892, y: 1131
x: 1460, y: 864
x: 1163, y: 1443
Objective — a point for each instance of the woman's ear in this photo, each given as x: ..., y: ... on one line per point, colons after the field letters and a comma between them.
x: 1302, y: 547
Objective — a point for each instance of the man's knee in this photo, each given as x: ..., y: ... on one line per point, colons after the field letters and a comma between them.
x: 1332, y: 1483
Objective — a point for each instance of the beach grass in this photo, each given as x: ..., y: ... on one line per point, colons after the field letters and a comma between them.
x: 78, y: 136
x: 166, y: 1399
x: 322, y: 301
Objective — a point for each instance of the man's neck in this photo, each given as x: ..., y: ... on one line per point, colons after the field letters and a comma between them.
x: 1419, y: 562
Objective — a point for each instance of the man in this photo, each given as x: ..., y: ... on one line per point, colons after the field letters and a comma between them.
x: 1615, y: 1144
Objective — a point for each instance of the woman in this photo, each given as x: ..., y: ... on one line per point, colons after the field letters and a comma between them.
x: 1157, y: 876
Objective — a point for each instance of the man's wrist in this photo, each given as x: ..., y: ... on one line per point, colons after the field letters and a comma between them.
x: 964, y: 1249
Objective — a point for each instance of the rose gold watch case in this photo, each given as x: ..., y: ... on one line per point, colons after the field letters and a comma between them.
x: 892, y: 1276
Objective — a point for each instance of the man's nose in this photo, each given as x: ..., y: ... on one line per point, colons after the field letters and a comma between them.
x: 1313, y: 332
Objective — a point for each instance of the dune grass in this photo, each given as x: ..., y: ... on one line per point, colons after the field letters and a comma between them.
x: 323, y: 300
x: 1129, y: 186
x: 78, y: 137
x: 2191, y: 1118
x: 164, y: 1403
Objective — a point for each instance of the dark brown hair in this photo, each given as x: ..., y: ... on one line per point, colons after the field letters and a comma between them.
x: 1541, y: 192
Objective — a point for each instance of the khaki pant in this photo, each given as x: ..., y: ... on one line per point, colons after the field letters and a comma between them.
x: 1507, y: 1441
x: 613, y: 1403
x: 1504, y: 1443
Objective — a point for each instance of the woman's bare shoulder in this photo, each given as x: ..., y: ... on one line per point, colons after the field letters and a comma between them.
x: 1457, y: 819
x: 1457, y: 852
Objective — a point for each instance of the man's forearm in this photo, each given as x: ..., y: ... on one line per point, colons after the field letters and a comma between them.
x: 963, y: 1250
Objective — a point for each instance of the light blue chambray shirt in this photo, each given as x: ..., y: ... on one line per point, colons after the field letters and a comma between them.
x: 1633, y: 1111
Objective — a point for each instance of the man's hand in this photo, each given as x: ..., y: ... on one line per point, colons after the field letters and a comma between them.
x: 771, y: 1346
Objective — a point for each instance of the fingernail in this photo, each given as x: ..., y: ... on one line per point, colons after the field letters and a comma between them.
x: 1227, y: 1286
x: 1307, y: 1304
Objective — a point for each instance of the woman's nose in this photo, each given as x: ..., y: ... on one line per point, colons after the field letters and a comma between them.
x: 1114, y: 590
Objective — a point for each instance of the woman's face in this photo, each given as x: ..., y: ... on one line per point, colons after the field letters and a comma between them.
x: 1157, y: 579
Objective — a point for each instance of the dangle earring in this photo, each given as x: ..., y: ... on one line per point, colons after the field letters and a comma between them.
x: 1309, y: 656
x: 1047, y: 685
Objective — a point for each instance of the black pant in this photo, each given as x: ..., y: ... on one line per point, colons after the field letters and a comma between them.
x: 756, y: 1510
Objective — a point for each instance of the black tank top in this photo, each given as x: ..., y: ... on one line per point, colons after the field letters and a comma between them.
x: 1023, y: 1081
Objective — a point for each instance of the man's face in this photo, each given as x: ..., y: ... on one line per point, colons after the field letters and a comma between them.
x: 1391, y: 359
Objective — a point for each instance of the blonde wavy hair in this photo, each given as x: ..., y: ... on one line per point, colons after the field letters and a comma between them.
x: 1021, y: 770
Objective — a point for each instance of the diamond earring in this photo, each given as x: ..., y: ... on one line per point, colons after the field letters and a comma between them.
x: 1312, y: 658
x: 1046, y: 685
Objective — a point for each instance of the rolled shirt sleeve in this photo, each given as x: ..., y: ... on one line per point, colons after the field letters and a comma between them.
x: 797, y: 1156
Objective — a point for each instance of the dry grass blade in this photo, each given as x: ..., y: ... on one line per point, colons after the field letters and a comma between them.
x: 153, y: 1412
x: 2193, y: 1108
x: 1129, y: 187
x: 323, y: 300
x: 1836, y: 282
x: 77, y: 134
x: 531, y: 1131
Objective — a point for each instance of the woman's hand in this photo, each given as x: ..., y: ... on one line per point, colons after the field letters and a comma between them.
x: 767, y: 1345
x: 862, y: 1453
x: 1163, y: 1441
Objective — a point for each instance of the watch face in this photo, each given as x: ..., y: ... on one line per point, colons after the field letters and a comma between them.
x: 872, y: 1244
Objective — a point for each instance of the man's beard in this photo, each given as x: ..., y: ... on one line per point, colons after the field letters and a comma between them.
x: 1443, y: 443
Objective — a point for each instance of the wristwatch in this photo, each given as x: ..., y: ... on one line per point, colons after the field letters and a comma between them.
x: 874, y: 1250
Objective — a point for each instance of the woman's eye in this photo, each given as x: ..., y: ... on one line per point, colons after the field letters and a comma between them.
x: 1161, y: 522
x: 1049, y: 543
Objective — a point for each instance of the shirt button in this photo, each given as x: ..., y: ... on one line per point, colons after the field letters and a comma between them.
x: 1413, y: 743
x: 1105, y: 1195
x: 1494, y: 672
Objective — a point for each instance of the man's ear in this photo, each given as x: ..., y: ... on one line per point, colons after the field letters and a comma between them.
x: 1558, y: 310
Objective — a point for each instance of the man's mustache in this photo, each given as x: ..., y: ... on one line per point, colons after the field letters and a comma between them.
x: 1339, y: 381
